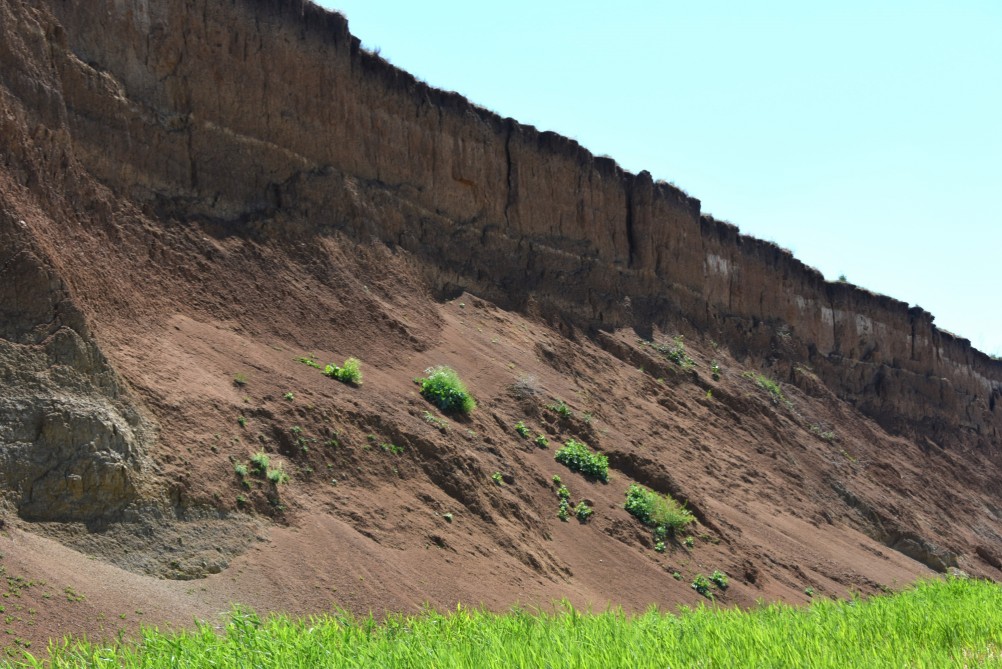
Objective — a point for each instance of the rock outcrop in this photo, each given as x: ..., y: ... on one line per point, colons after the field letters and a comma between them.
x: 70, y: 444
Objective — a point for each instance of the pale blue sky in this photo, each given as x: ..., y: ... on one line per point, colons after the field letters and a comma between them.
x: 864, y: 136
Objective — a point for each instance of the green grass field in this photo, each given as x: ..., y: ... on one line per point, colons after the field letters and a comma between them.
x: 936, y: 624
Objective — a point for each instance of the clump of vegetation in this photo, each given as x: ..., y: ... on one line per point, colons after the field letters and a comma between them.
x: 309, y: 361
x: 277, y: 476
x: 576, y: 456
x: 240, y: 469
x: 391, y: 448
x: 675, y: 352
x: 719, y: 579
x: 689, y: 542
x: 770, y: 385
x: 541, y: 441
x: 240, y: 380
x: 497, y: 478
x: 583, y: 512
x: 260, y: 463
x: 289, y: 396
x: 447, y: 516
x: 557, y: 481
x: 715, y: 370
x: 660, y: 512
x: 561, y: 409
x: 443, y: 388
x: 350, y: 372
x: 564, y: 510
x: 522, y: 430
x: 702, y: 585
x: 301, y: 441
x: 242, y: 421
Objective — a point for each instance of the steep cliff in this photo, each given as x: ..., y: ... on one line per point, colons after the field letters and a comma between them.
x: 230, y: 112
x: 193, y: 193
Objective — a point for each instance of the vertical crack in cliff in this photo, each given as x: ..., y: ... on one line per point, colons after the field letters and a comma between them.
x: 911, y: 318
x: 512, y: 189
x: 831, y: 305
x: 631, y: 242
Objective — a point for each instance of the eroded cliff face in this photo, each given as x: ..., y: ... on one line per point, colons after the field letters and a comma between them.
x: 192, y: 191
x: 230, y: 112
x: 70, y: 438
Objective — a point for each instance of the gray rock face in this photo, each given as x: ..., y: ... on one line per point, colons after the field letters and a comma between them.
x: 71, y: 458
x: 69, y: 443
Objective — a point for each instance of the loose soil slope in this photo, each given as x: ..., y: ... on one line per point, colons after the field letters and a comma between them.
x: 175, y: 235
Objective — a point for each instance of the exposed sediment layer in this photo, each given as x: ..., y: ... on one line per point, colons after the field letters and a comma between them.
x: 230, y: 112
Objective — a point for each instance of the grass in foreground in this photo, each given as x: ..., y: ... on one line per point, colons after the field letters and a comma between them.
x: 952, y: 623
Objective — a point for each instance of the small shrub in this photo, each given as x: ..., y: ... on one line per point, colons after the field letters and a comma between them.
x: 576, y: 456
x: 660, y: 547
x: 720, y: 579
x: 522, y: 429
x: 541, y: 441
x: 689, y: 542
x: 443, y: 388
x: 715, y: 370
x: 769, y: 385
x: 391, y: 448
x: 309, y: 361
x: 289, y: 396
x: 447, y: 516
x: 564, y: 512
x: 657, y: 511
x: 809, y: 591
x: 701, y: 584
x: 556, y: 480
x: 350, y: 372
x: 241, y: 421
x: 497, y: 478
x: 240, y: 380
x: 277, y: 476
x: 240, y: 469
x: 583, y: 512
x: 676, y: 575
x: 561, y: 409
x: 675, y: 352
x: 260, y: 462
x: 564, y: 493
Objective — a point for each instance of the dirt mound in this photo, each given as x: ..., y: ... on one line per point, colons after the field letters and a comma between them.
x: 201, y: 209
